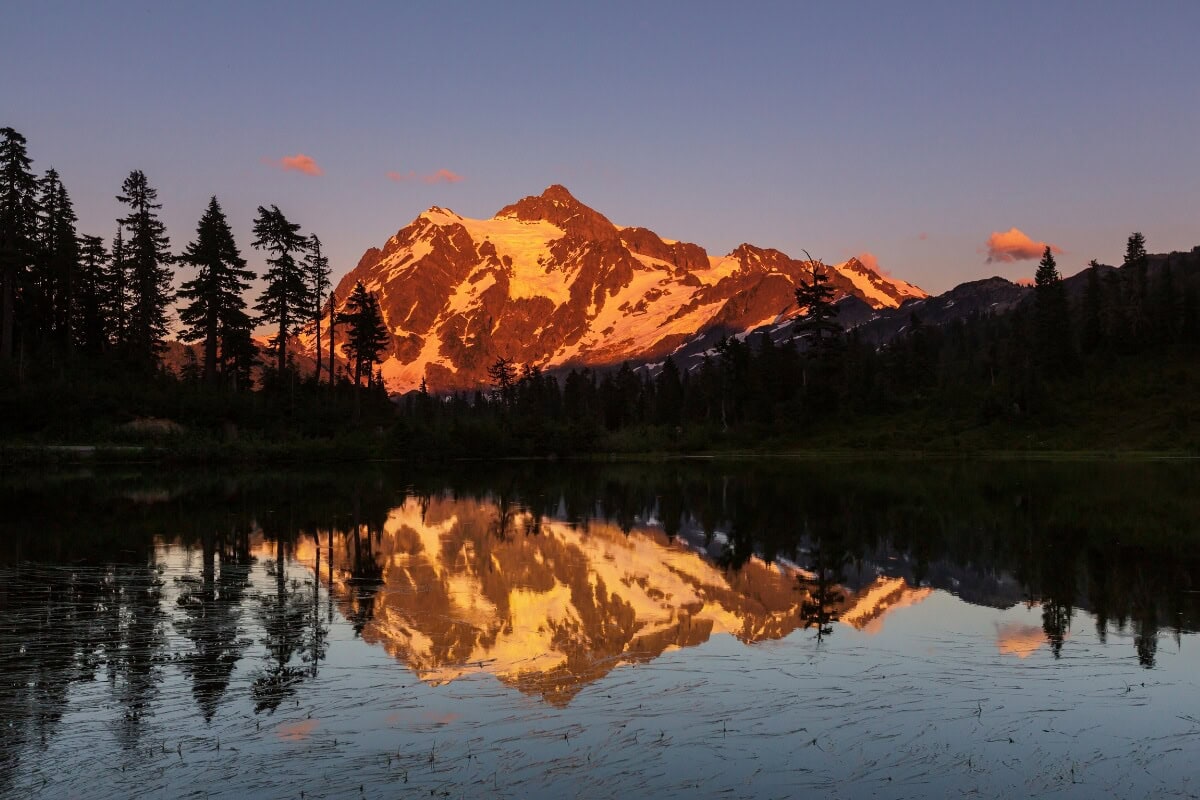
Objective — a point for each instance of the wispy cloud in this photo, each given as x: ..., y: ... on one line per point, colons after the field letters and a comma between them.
x: 440, y: 176
x: 872, y: 263
x: 1014, y: 245
x: 297, y: 163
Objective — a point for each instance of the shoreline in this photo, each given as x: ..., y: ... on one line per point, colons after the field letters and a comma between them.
x: 320, y: 451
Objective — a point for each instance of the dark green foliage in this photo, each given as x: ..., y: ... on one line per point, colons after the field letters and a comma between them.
x: 215, y: 311
x: 818, y: 326
x: 668, y: 394
x: 91, y: 320
x: 366, y: 336
x: 1052, y: 314
x: 1093, y: 311
x: 48, y: 299
x: 116, y: 302
x: 18, y: 229
x: 287, y: 298
x: 1137, y: 274
x: 502, y: 374
x: 317, y: 266
x: 146, y: 256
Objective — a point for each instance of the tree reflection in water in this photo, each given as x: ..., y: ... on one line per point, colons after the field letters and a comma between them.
x: 82, y: 598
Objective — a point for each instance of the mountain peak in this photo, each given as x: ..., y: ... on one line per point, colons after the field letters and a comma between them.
x: 558, y: 206
x: 552, y: 282
x: 559, y: 193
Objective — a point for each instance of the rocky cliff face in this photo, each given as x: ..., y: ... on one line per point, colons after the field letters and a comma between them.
x: 549, y: 281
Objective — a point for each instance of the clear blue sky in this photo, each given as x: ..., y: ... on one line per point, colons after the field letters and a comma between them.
x: 912, y: 131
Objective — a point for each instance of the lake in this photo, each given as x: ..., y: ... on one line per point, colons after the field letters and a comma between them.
x: 730, y: 629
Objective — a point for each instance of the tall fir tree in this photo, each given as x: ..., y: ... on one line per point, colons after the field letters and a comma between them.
x: 18, y: 226
x: 332, y: 336
x: 1053, y: 319
x: 89, y: 327
x: 116, y: 295
x: 147, y: 256
x: 818, y: 330
x: 239, y: 353
x: 287, y: 296
x: 814, y: 297
x: 52, y: 284
x: 1137, y: 267
x: 215, y: 308
x: 366, y: 335
x: 1093, y: 310
x: 668, y: 395
x: 317, y: 265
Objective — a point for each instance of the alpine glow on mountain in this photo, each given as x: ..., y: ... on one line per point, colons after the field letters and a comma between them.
x: 551, y: 282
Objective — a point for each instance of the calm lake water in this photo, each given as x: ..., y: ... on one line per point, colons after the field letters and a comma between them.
x: 747, y: 629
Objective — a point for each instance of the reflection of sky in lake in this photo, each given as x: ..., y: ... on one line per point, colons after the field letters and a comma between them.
x: 454, y: 659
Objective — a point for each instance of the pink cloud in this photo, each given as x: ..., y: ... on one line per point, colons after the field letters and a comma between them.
x: 1014, y: 245
x: 296, y: 731
x: 922, y: 236
x: 443, y: 176
x: 871, y: 262
x: 297, y: 163
x: 440, y: 176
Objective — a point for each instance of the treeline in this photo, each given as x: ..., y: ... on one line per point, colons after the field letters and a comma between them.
x: 84, y: 328
x: 77, y: 312
x: 820, y: 383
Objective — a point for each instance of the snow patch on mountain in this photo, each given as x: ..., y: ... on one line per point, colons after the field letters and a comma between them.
x: 549, y: 281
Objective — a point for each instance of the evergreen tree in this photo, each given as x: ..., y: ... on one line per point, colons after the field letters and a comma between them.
x: 239, y: 353
x: 18, y: 223
x: 317, y: 265
x: 116, y: 297
x: 332, y: 337
x: 819, y: 331
x: 286, y: 297
x: 367, y: 336
x: 668, y: 395
x: 52, y: 284
x: 1053, y: 321
x: 147, y: 255
x: 89, y: 326
x: 1093, y: 302
x: 215, y: 305
x: 503, y: 375
x: 1137, y: 272
x: 815, y: 301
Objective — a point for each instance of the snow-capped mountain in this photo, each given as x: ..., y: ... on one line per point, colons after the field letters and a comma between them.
x: 551, y: 282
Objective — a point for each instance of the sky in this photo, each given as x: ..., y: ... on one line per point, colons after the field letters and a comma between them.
x: 949, y: 141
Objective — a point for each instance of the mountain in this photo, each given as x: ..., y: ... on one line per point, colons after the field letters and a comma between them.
x: 996, y: 295
x: 552, y: 282
x: 988, y: 296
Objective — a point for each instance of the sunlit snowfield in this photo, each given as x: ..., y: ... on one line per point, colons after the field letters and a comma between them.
x: 467, y: 643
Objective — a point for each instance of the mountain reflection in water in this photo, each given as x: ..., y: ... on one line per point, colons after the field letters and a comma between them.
x: 452, y: 587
